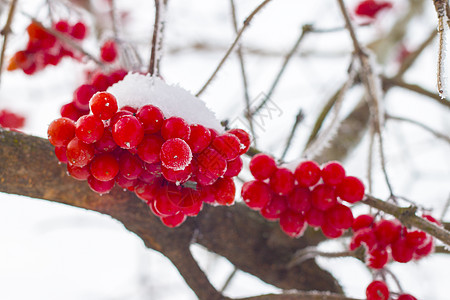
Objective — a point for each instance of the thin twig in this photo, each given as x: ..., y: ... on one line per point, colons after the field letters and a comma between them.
x: 228, y: 281
x: 441, y: 7
x: 445, y: 209
x: 311, y: 252
x: 298, y: 119
x: 394, y: 277
x: 370, y: 161
x: 300, y: 295
x: 152, y: 66
x: 230, y: 49
x: 421, y: 125
x: 5, y: 32
x: 305, y: 29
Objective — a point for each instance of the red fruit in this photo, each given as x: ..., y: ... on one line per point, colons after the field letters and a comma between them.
x: 224, y: 191
x: 101, y: 187
x: 401, y: 251
x: 282, y: 181
x: 211, y: 164
x: 11, y: 120
x: 256, y: 194
x: 61, y: 154
x: 387, y: 231
x: 118, y: 115
x: 78, y: 31
x: 323, y: 197
x: 79, y: 173
x: 339, y: 216
x: 82, y: 95
x: 117, y: 75
x: 103, y: 105
x: 127, y: 132
x: 332, y: 173
x: 362, y: 221
x: 70, y: 111
x: 130, y: 166
x: 227, y: 145
x: 162, y: 204
x: 315, y: 217
x: 425, y: 249
x: 174, y: 220
x: 126, y: 183
x: 377, y: 258
x: 244, y: 139
x: 377, y: 290
x: 292, y: 223
x: 370, y: 8
x: 274, y: 208
x: 104, y: 167
x: 175, y: 127
x: 108, y: 51
x: 307, y: 173
x: 178, y: 177
x: 416, y: 238
x: 106, y: 143
x: 62, y: 26
x: 262, y: 166
x: 351, y: 189
x: 79, y: 153
x: 299, y: 200
x: 363, y: 236
x: 234, y: 167
x: 431, y: 219
x: 147, y: 192
x: 150, y: 147
x: 181, y: 197
x: 199, y: 139
x: 61, y: 131
x: 206, y: 193
x: 406, y: 297
x: 330, y: 231
x: 150, y: 117
x: 175, y: 154
x: 89, y: 129
x: 19, y: 60
x: 100, y: 81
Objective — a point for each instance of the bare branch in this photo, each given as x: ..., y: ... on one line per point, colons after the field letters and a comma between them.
x: 5, y: 32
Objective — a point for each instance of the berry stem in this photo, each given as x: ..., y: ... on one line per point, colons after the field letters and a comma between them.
x: 311, y: 252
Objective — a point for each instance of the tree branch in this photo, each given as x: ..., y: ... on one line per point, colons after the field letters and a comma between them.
x: 297, y: 295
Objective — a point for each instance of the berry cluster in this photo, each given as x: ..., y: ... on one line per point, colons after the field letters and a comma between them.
x: 44, y: 48
x: 370, y: 8
x: 310, y: 195
x: 378, y: 290
x: 98, y: 82
x: 172, y: 165
x: 388, y: 238
x: 11, y: 120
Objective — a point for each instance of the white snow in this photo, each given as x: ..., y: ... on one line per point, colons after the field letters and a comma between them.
x: 137, y: 90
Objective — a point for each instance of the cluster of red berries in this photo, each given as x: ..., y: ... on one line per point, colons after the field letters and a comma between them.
x: 11, y: 120
x: 172, y: 165
x: 370, y: 8
x: 108, y: 51
x: 310, y: 195
x: 97, y: 82
x: 389, y: 238
x: 378, y: 290
x: 44, y: 48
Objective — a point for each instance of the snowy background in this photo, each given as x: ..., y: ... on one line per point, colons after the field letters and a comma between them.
x: 51, y: 251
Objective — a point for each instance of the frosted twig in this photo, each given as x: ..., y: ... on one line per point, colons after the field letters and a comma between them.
x: 394, y: 277
x: 298, y: 119
x: 6, y: 31
x: 441, y: 8
x: 157, y: 38
x: 370, y: 160
x: 311, y: 252
x: 230, y: 49
x: 228, y: 281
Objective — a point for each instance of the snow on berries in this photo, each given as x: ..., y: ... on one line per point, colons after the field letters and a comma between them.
x: 156, y: 140
x: 388, y: 238
x: 310, y: 195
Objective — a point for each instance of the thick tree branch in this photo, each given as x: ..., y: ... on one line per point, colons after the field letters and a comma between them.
x: 28, y: 167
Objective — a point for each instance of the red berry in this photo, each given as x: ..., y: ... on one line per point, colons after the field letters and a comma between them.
x: 70, y: 111
x: 130, y: 166
x: 332, y: 173
x: 82, y: 95
x: 150, y: 117
x: 89, y: 129
x: 256, y: 194
x: 79, y: 173
x: 175, y: 154
x: 78, y: 31
x: 330, y: 231
x: 79, y: 153
x: 431, y: 219
x: 401, y: 251
x: 299, y: 199
x: 175, y: 127
x: 106, y: 143
x: 323, y: 197
x: 377, y: 258
x: 126, y: 183
x: 118, y: 115
x: 177, y: 176
x: 108, y: 51
x: 370, y: 8
x: 377, y: 290
x: 416, y: 238
x: 292, y: 223
x: 351, y: 189
x: 282, y: 181
x: 227, y: 145
x: 174, y: 220
x: 234, y: 167
x: 244, y: 139
x: 104, y: 167
x: 224, y: 191
x: 61, y: 154
x: 339, y: 216
x: 199, y: 139
x: 424, y: 250
x: 363, y: 236
x: 147, y: 192
x: 101, y: 187
x: 307, y: 173
x: 103, y: 105
x: 62, y: 26
x: 362, y: 221
x: 100, y: 81
x: 127, y: 132
x: 262, y: 166
x: 11, y: 120
x: 406, y: 297
x: 274, y: 208
x: 211, y: 164
x: 162, y: 204
x: 315, y: 217
x: 387, y: 231
x: 61, y: 131
x: 150, y: 147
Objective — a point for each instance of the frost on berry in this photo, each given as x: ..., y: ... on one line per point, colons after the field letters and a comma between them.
x: 282, y: 181
x: 262, y: 166
x: 377, y: 290
x: 175, y: 154
x: 307, y: 173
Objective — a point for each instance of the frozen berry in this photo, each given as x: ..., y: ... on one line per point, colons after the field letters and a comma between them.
x: 104, y: 167
x: 101, y: 187
x: 292, y: 223
x: 61, y: 131
x: 330, y: 231
x: 108, y: 51
x: 175, y: 154
x: 199, y: 139
x: 234, y: 167
x: 174, y: 220
x: 244, y: 139
x: 377, y: 258
x: 224, y: 191
x: 332, y: 173
x: 262, y: 166
x: 339, y: 216
x: 227, y: 145
x: 175, y: 127
x: 79, y: 153
x: 78, y: 31
x: 364, y: 236
x: 211, y: 164
x: 377, y: 290
x: 150, y: 117
x: 299, y: 199
x: 351, y: 189
x: 401, y: 251
x: 274, y: 208
x: 282, y: 181
x: 256, y: 194
x: 127, y: 132
x: 130, y: 166
x: 79, y: 173
x: 82, y: 95
x: 323, y: 197
x: 177, y: 176
x: 307, y: 173
x: 315, y: 217
x: 362, y: 221
x: 89, y: 129
x: 61, y: 154
x: 387, y: 231
x: 103, y: 105
x: 106, y: 143
x: 150, y: 147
